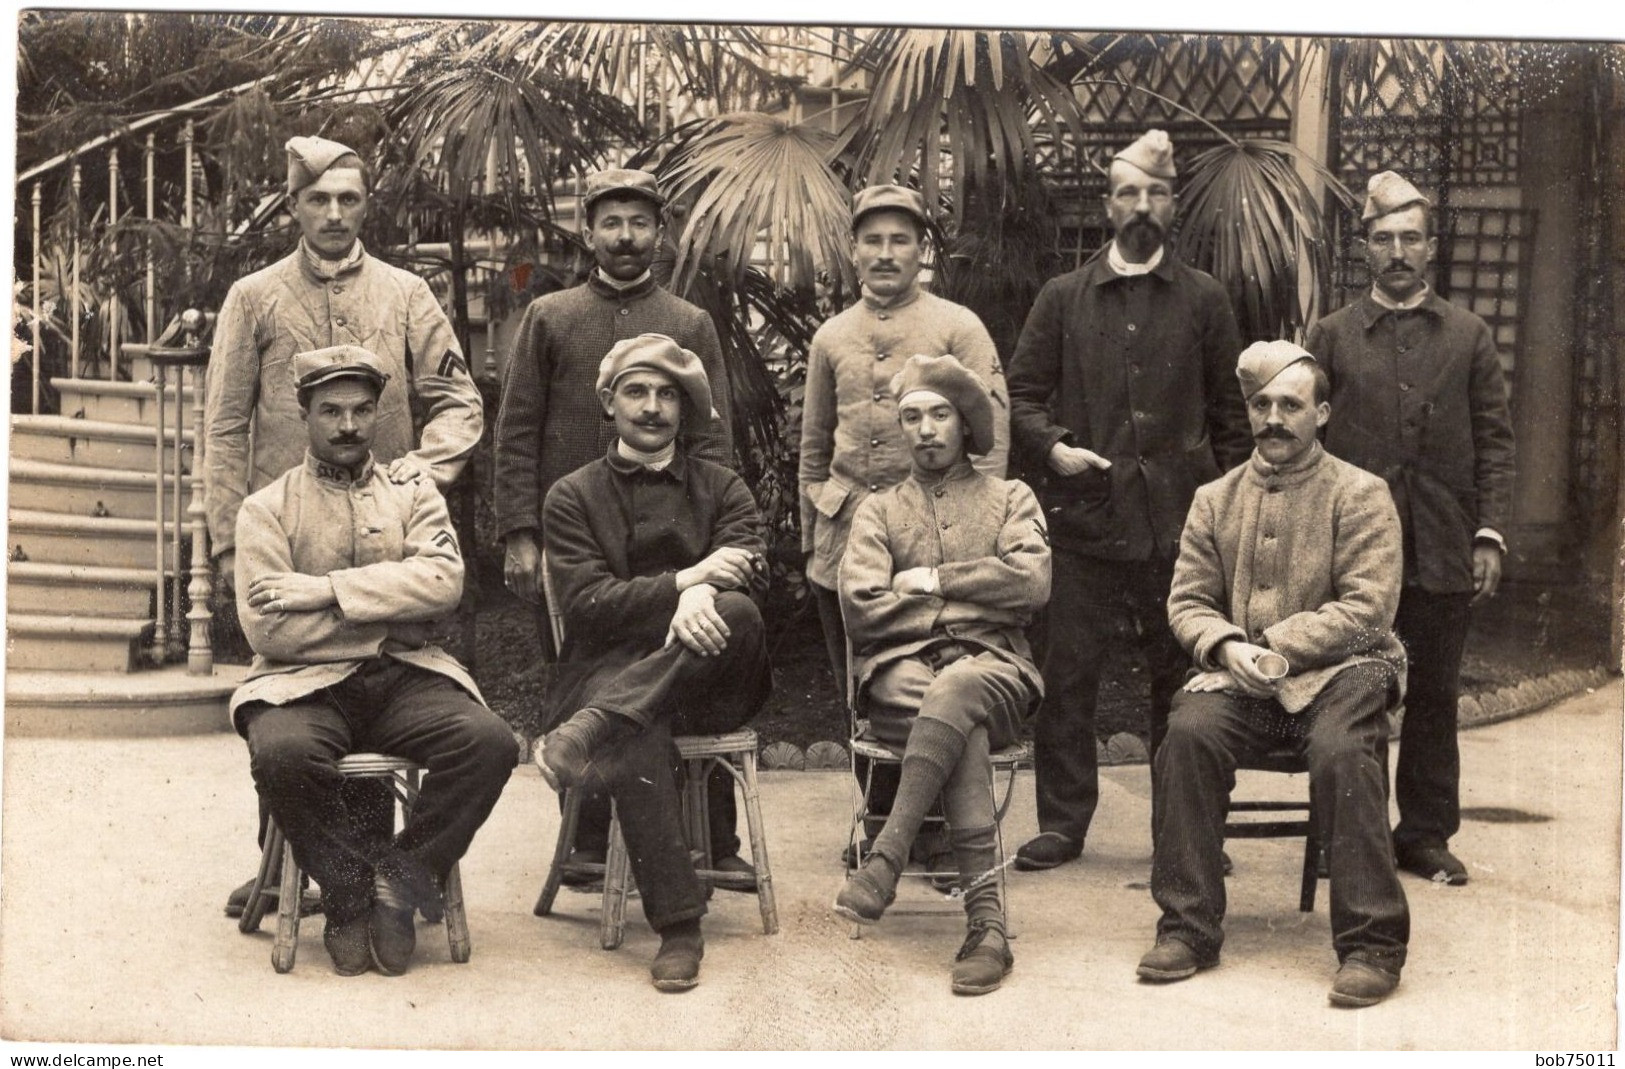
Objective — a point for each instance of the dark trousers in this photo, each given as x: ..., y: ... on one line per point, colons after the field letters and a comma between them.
x: 884, y: 778
x: 385, y: 707
x: 1344, y: 735
x: 1088, y: 596
x: 1427, y: 776
x: 674, y: 691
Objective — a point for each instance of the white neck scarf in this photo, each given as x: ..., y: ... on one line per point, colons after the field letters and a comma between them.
x: 1114, y: 260
x: 656, y: 461
x: 1413, y: 301
x: 615, y: 283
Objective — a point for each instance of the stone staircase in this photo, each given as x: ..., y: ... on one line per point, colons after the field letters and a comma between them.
x: 82, y: 573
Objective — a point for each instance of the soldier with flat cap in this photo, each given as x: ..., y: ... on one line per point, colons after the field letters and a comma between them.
x: 942, y: 574
x: 1122, y: 395
x: 1284, y: 597
x: 341, y: 572
x: 328, y: 291
x: 656, y: 557
x: 551, y: 421
x: 851, y: 445
x: 1423, y: 404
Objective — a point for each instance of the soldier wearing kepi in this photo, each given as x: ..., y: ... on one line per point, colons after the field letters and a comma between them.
x: 1122, y: 388
x: 328, y: 291
x: 1422, y: 403
x: 1293, y: 558
x: 340, y: 572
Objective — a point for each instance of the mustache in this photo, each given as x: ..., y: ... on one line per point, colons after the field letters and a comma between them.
x: 652, y: 424
x: 345, y: 439
x: 1275, y: 432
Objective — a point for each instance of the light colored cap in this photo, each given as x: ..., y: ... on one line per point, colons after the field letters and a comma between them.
x: 657, y: 352
x: 1263, y: 360
x: 889, y: 198
x: 310, y: 157
x: 946, y: 377
x: 335, y: 362
x: 1387, y: 193
x: 623, y: 180
x: 1153, y: 153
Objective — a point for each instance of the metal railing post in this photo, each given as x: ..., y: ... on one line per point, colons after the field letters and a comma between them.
x: 36, y: 354
x: 160, y: 617
x: 78, y: 260
x: 112, y: 297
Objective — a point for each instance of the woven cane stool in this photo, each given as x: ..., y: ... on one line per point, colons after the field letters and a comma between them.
x: 277, y: 865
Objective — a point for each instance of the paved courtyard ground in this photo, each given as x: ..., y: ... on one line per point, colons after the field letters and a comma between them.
x: 116, y: 855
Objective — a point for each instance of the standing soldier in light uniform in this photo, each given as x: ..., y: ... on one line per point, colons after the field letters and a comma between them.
x: 328, y: 291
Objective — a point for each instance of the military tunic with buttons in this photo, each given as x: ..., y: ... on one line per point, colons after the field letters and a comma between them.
x: 851, y: 445
x: 986, y: 539
x: 394, y: 563
x: 252, y: 412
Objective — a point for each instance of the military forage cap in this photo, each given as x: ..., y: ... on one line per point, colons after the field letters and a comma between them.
x: 337, y: 361
x: 1263, y: 360
x: 889, y: 198
x: 656, y: 352
x: 1387, y: 193
x: 621, y: 180
x: 310, y: 157
x: 1153, y: 153
x: 947, y: 377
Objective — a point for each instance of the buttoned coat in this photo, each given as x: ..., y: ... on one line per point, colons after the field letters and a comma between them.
x: 851, y: 444
x: 251, y: 410
x: 1419, y: 399
x: 1141, y: 370
x: 551, y: 421
x: 987, y: 541
x: 392, y: 557
x: 1303, y: 559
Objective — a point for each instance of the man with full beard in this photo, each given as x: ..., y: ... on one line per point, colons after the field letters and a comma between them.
x: 1122, y: 390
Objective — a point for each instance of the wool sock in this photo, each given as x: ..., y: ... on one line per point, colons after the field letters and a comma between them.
x: 933, y: 750
x: 976, y: 853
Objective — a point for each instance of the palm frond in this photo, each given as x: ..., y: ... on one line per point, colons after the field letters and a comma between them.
x: 1249, y: 219
x: 970, y: 101
x: 758, y: 188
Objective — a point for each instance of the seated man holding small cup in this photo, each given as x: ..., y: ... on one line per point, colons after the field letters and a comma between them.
x: 1284, y: 595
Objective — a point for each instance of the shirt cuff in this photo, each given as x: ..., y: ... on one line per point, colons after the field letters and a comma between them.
x: 1491, y: 535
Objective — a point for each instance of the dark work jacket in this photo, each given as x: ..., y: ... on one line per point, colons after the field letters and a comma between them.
x: 1418, y: 398
x: 616, y: 535
x: 1141, y: 370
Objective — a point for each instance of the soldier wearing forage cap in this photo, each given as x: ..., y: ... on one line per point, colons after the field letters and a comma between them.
x: 551, y: 420
x: 1284, y: 596
x: 328, y: 291
x: 1121, y: 392
x: 341, y: 571
x: 851, y: 445
x: 656, y: 558
x: 941, y: 575
x: 1423, y: 404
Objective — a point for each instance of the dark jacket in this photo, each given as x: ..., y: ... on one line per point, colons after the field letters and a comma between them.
x: 551, y: 422
x: 616, y: 535
x: 1142, y: 371
x: 1418, y: 398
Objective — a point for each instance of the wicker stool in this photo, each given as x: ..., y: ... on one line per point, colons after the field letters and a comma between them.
x: 736, y: 752
x: 278, y: 865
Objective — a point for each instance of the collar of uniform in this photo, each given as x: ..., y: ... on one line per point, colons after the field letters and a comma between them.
x: 608, y: 292
x: 930, y: 480
x: 1100, y: 271
x: 1296, y: 471
x: 629, y: 468
x: 891, y: 304
x: 332, y: 473
x: 327, y: 270
x: 1371, y: 312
